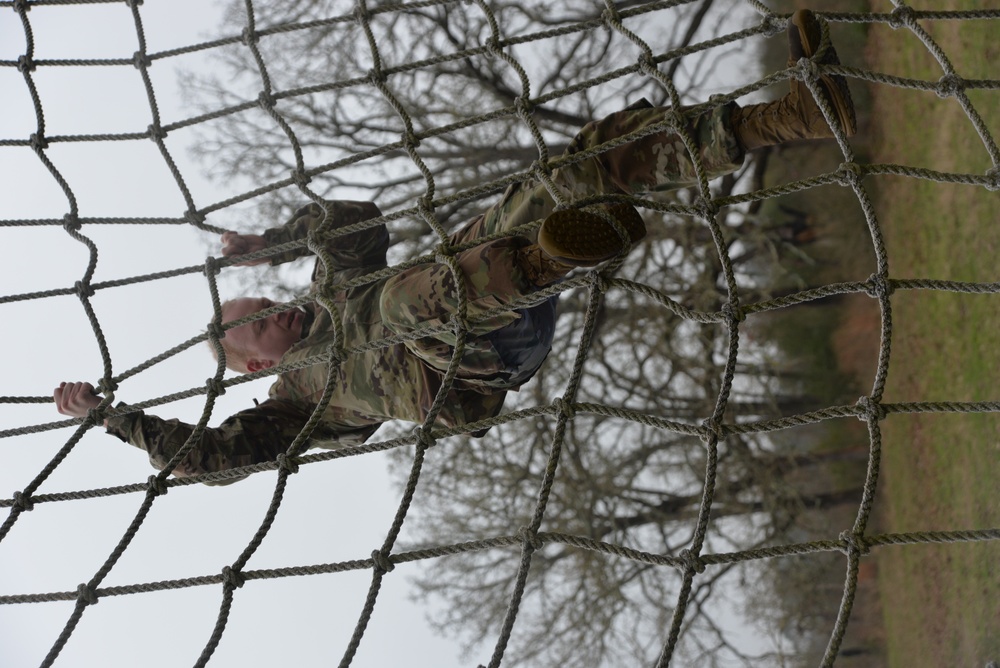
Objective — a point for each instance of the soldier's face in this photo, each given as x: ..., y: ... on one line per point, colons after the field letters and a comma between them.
x: 265, y: 340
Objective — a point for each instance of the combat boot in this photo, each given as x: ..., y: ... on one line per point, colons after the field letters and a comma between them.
x: 539, y: 267
x: 797, y: 115
x: 577, y: 238
x: 582, y: 238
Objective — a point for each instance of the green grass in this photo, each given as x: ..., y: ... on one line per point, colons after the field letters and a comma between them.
x: 939, y: 603
x: 939, y: 472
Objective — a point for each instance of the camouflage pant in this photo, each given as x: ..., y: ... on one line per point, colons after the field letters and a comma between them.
x: 426, y: 294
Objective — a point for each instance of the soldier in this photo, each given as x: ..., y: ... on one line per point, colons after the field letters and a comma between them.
x: 503, y: 348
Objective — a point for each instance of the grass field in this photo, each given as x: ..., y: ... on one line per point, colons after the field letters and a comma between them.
x: 941, y: 603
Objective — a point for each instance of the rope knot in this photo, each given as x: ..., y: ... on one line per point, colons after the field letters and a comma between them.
x: 854, y: 543
x: 157, y: 485
x: 266, y: 100
x: 460, y: 325
x: 646, y: 64
x: 232, y: 578
x: 610, y: 17
x: 382, y: 562
x: 691, y: 561
x: 540, y: 169
x: 712, y: 429
x: 878, y: 287
x: 288, y: 464
x: 530, y: 538
x: 493, y: 48
x: 216, y: 330
x: 107, y: 386
x: 300, y: 178
x: 376, y: 76
x: 86, y: 594
x: 95, y: 416
x: 410, y: 140
x: 337, y: 354
x: 22, y: 6
x: 901, y: 16
x: 565, y: 408
x: 523, y: 107
x: 950, y: 85
x: 706, y: 208
x: 674, y: 119
x: 443, y: 253
x: 71, y: 222
x: 870, y: 410
x: 772, y: 25
x: 423, y: 437
x: 249, y: 37
x: 216, y: 387
x: 849, y: 174
x: 806, y: 70
x: 133, y: 3
x: 194, y: 217
x: 733, y: 312
x: 600, y: 282
x: 156, y: 132
x: 38, y: 142
x: 25, y: 63
x: 83, y: 289
x: 361, y: 13
x: 994, y: 176
x: 425, y: 204
x: 23, y: 501
x: 140, y: 60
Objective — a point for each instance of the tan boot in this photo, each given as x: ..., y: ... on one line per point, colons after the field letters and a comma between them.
x: 797, y: 115
x: 582, y: 238
x: 539, y: 267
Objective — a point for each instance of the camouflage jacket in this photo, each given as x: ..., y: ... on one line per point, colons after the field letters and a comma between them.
x: 379, y: 381
x: 369, y: 387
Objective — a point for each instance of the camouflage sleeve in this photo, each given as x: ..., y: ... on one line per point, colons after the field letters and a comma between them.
x: 252, y: 436
x: 364, y: 248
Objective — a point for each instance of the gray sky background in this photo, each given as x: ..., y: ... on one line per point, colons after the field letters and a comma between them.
x: 332, y: 512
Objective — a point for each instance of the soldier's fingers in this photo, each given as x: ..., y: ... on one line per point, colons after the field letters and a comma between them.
x: 233, y: 244
x: 63, y: 396
x: 74, y: 390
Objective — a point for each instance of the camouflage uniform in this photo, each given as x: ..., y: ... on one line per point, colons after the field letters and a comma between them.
x: 385, y: 381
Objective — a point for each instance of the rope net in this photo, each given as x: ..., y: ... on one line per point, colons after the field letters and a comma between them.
x: 694, y: 432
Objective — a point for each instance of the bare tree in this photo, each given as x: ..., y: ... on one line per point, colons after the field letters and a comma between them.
x: 439, y: 71
x: 363, y: 99
x: 619, y: 482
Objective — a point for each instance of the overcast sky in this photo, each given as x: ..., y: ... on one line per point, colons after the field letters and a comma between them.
x: 332, y: 512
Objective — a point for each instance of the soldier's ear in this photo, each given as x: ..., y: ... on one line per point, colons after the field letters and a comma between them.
x: 254, y: 364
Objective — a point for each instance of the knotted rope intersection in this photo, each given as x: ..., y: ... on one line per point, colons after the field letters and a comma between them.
x: 692, y: 561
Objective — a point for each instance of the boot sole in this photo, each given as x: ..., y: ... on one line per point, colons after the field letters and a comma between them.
x: 838, y: 94
x: 582, y: 238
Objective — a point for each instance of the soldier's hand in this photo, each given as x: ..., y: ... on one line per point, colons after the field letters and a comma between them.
x: 75, y: 399
x: 235, y: 244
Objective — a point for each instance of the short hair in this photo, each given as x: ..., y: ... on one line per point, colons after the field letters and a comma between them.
x: 236, y: 356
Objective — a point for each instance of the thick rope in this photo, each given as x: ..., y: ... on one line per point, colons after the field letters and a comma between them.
x: 525, y: 541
